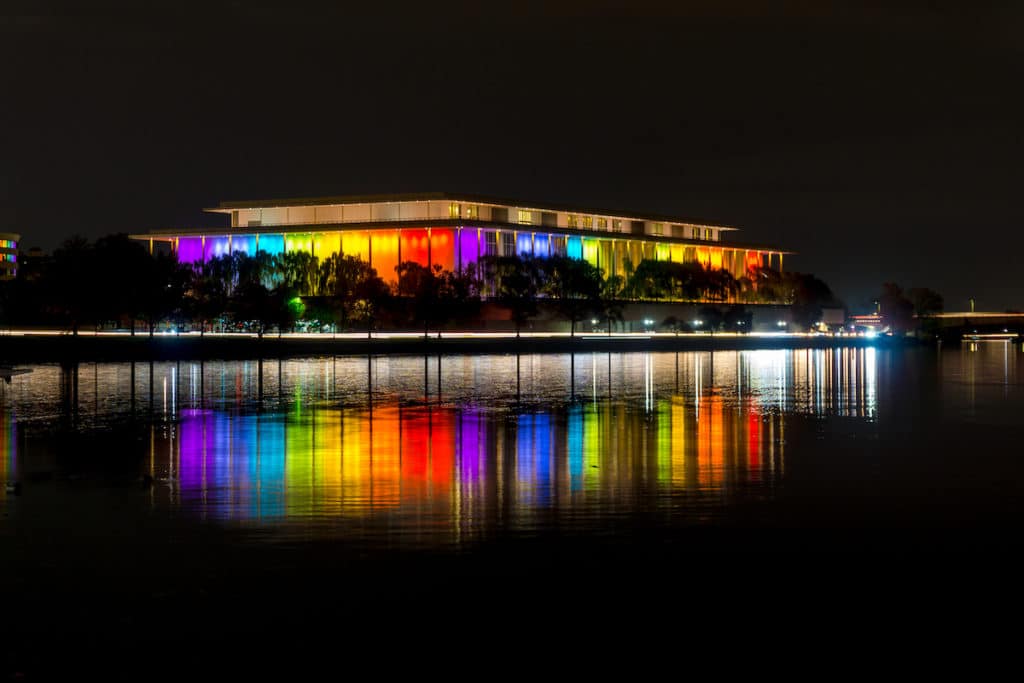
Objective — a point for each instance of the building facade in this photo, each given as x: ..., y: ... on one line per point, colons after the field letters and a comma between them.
x: 8, y: 255
x: 457, y: 230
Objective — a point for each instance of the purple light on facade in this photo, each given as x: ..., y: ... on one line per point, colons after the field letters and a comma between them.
x: 468, y: 246
x: 216, y: 247
x: 190, y: 249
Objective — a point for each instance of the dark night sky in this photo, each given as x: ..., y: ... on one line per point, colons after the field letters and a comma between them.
x: 881, y: 141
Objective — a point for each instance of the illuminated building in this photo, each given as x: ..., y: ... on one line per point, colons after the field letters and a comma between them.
x: 457, y: 230
x: 8, y: 255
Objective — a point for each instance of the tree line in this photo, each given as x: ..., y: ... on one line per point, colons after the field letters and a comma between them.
x: 116, y: 282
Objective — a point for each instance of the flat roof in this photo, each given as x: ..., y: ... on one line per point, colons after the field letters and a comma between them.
x: 228, y: 206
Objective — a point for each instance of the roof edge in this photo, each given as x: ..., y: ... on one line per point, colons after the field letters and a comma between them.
x: 227, y: 206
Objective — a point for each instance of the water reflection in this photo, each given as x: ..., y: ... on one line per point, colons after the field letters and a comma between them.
x: 8, y: 448
x: 461, y: 462
x: 454, y: 447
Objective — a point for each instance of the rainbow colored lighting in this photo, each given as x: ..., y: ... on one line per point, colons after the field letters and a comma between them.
x: 353, y: 462
x: 454, y: 248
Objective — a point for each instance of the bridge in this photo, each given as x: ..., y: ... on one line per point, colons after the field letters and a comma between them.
x: 990, y: 324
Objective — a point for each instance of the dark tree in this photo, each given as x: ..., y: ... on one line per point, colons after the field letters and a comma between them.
x: 650, y: 280
x: 162, y: 289
x: 252, y: 302
x: 897, y: 310
x: 737, y: 319
x: 207, y: 294
x: 460, y: 294
x: 68, y: 285
x: 120, y: 263
x: 926, y: 301
x: 348, y: 280
x: 298, y: 271
x: 575, y: 286
x: 609, y: 302
x: 516, y: 285
x: 421, y: 286
x: 711, y: 318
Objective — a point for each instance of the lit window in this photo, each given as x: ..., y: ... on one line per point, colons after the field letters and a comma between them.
x: 490, y: 244
x: 572, y: 220
x: 707, y: 234
x: 602, y: 223
x: 657, y: 228
x: 696, y: 233
x: 525, y: 216
x: 508, y: 243
x: 588, y: 222
x: 454, y: 211
x: 617, y: 225
x: 472, y: 211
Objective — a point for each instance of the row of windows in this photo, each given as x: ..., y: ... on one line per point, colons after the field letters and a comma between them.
x: 581, y: 221
x: 509, y: 246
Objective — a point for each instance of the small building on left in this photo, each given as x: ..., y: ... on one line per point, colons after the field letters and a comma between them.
x: 8, y: 255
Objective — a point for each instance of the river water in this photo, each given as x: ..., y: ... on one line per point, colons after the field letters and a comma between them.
x: 214, y: 478
x: 447, y: 451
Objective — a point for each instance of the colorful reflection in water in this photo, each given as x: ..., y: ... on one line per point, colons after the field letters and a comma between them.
x: 459, y: 461
x: 456, y: 446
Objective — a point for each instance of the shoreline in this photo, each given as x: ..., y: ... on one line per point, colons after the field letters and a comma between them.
x: 31, y: 348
